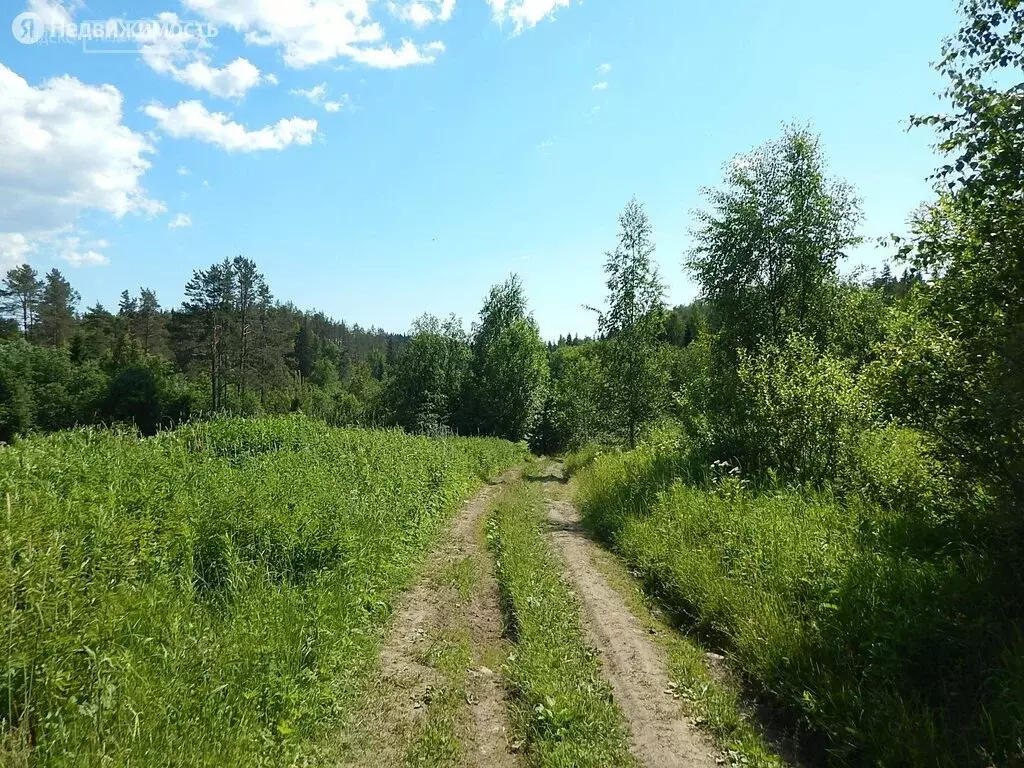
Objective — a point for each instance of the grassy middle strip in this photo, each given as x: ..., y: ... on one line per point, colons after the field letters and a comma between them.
x: 564, y: 714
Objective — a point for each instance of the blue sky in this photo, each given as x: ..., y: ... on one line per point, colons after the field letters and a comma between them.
x: 484, y: 145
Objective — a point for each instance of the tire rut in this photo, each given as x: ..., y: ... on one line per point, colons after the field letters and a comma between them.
x: 403, y: 686
x: 634, y: 665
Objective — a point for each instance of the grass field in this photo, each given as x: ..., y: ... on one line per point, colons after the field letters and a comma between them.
x: 214, y: 594
x: 854, y: 618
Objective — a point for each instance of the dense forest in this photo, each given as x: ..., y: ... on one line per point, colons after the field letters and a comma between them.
x: 230, y: 348
x: 823, y: 472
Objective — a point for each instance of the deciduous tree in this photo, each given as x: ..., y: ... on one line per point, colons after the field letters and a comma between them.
x: 634, y: 366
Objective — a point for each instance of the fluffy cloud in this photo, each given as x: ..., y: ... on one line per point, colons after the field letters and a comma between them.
x: 78, y: 255
x: 15, y: 248
x: 65, y: 151
x: 318, y: 95
x: 604, y: 69
x: 602, y: 86
x: 55, y: 14
x: 182, y: 57
x: 419, y: 13
x: 180, y: 221
x: 228, y: 82
x: 387, y: 57
x: 313, y: 31
x: 192, y: 120
x: 524, y: 14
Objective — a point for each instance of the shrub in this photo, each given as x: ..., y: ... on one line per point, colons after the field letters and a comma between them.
x: 797, y: 413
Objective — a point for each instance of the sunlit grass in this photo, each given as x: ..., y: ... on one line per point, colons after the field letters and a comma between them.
x: 842, y: 612
x: 215, y: 593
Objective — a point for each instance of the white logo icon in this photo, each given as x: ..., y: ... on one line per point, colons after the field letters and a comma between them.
x: 28, y: 28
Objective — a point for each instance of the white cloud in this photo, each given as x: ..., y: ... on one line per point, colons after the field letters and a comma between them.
x: 387, y: 57
x: 65, y: 151
x: 190, y: 119
x: 78, y: 255
x: 54, y: 13
x: 524, y: 14
x: 15, y: 248
x: 183, y: 171
x: 419, y: 13
x: 318, y: 95
x: 181, y: 56
x: 313, y: 31
x: 604, y: 69
x: 229, y: 82
x: 180, y: 221
x: 602, y: 86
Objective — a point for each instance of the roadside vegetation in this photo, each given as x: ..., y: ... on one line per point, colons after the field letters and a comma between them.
x: 564, y: 714
x: 215, y: 593
x: 834, y: 497
x: 711, y: 692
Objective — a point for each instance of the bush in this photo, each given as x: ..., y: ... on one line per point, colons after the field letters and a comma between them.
x: 895, y: 467
x: 786, y: 412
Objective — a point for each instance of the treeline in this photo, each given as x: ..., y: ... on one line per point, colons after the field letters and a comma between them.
x: 230, y: 348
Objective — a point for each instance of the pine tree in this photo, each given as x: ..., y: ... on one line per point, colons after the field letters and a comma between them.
x: 210, y: 302
x: 149, y: 322
x: 57, y: 310
x: 20, y: 295
x: 250, y: 292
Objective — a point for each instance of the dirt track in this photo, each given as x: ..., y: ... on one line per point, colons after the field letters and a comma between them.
x: 633, y: 663
x: 407, y: 681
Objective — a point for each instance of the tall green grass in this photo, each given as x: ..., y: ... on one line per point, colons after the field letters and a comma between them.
x: 888, y: 630
x: 565, y: 713
x: 210, y: 596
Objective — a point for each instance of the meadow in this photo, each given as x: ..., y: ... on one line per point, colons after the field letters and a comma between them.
x: 884, y: 633
x: 215, y: 593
